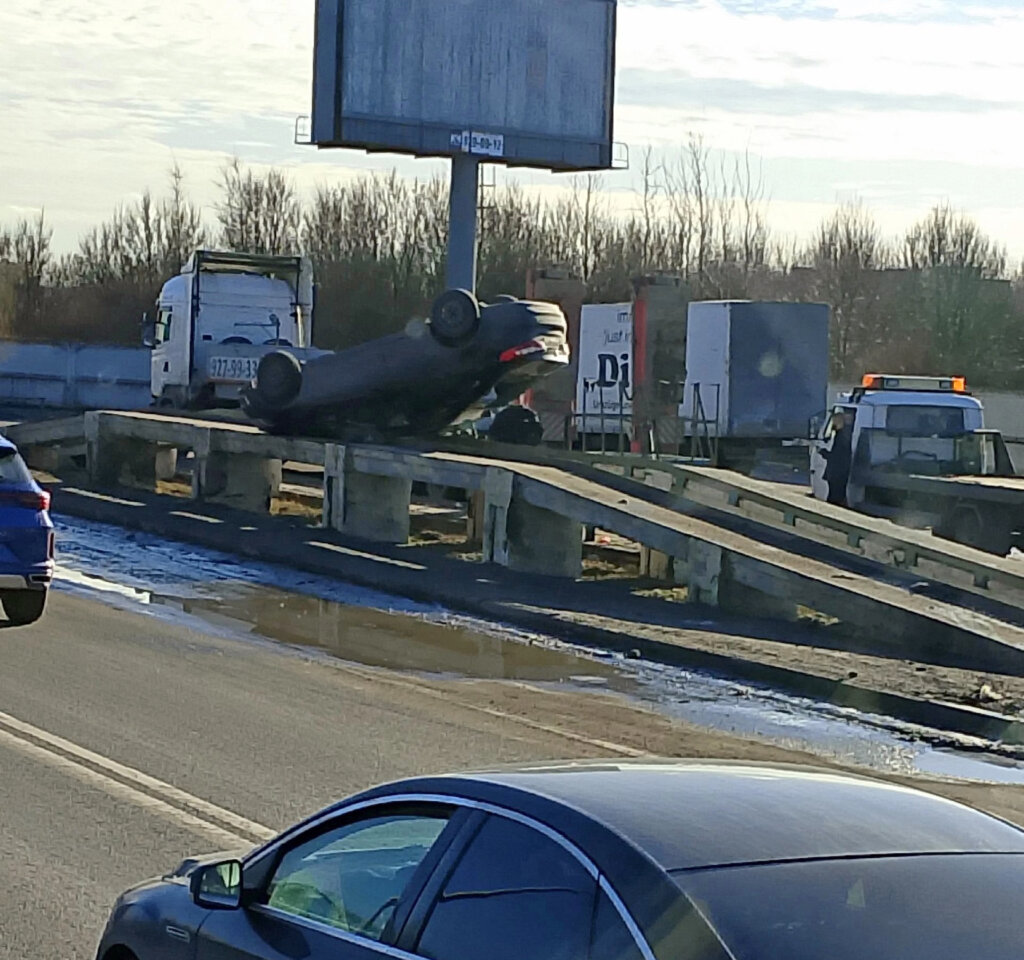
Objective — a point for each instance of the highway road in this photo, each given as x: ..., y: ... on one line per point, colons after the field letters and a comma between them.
x: 128, y: 741
x: 96, y: 701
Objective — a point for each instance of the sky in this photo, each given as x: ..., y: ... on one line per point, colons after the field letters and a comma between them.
x: 901, y: 104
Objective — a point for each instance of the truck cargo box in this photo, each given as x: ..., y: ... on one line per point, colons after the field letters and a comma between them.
x: 759, y: 369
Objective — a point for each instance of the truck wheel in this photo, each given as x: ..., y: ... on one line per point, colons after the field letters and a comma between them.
x: 23, y: 606
x: 454, y: 317
x: 517, y: 425
x: 278, y: 379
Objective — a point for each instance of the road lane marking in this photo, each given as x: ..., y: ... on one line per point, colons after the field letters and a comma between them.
x: 121, y: 791
x: 132, y: 784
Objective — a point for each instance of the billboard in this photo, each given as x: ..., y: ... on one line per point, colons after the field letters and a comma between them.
x: 604, y: 389
x: 520, y: 82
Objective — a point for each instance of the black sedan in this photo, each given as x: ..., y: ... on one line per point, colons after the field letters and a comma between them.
x: 416, y: 382
x: 601, y: 861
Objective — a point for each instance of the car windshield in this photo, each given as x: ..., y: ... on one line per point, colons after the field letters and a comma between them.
x: 935, y: 907
x: 12, y: 467
x: 924, y: 421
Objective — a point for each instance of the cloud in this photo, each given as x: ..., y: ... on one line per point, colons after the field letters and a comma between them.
x: 901, y: 101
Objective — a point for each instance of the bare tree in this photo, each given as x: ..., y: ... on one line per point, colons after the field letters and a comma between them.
x: 845, y: 254
x: 258, y: 214
x: 966, y: 301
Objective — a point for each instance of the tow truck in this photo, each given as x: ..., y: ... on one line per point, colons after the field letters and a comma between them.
x: 921, y: 456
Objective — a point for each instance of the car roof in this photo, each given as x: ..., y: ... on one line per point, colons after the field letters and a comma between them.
x: 698, y: 814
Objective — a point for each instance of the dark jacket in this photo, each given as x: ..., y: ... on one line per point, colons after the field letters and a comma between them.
x: 838, y: 458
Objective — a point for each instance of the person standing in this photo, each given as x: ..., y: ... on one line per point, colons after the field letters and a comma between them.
x: 838, y: 459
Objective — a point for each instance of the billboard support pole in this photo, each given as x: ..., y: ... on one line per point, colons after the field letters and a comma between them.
x: 463, y: 201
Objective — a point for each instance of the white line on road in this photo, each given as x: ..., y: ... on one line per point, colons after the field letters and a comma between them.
x: 156, y: 795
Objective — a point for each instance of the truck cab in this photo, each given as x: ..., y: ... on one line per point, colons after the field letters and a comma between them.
x: 897, y: 425
x: 218, y: 317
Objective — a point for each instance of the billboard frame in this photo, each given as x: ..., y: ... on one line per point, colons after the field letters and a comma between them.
x: 331, y: 128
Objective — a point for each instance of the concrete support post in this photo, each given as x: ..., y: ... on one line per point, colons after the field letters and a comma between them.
x: 475, y: 514
x: 334, y: 486
x: 701, y: 571
x: 112, y: 459
x: 102, y: 462
x: 361, y: 504
x: 377, y: 508
x: 42, y: 457
x: 239, y: 480
x: 495, y: 501
x: 543, y: 542
x: 661, y: 566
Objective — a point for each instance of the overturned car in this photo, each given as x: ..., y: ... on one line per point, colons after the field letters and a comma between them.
x: 465, y: 357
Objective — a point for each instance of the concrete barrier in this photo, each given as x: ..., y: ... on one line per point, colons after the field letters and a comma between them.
x: 533, y: 519
x: 74, y: 376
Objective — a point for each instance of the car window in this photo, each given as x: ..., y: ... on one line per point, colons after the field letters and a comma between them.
x: 515, y: 894
x: 938, y: 907
x: 12, y: 467
x: 352, y: 877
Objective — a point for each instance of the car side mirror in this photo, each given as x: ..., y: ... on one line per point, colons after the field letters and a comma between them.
x: 148, y: 331
x: 217, y: 886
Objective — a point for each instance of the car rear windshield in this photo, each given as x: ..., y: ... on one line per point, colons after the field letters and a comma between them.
x: 12, y: 467
x: 936, y: 907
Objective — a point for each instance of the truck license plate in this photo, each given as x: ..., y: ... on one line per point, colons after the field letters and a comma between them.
x: 240, y: 369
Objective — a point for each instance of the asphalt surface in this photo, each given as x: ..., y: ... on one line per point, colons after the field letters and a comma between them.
x: 96, y: 701
x: 129, y: 741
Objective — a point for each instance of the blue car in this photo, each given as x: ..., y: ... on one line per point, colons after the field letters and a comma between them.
x: 602, y: 861
x: 26, y: 539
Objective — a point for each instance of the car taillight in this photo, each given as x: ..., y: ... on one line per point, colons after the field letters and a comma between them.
x: 33, y: 499
x: 523, y: 350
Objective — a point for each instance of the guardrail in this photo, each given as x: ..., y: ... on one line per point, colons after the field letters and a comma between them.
x: 791, y: 509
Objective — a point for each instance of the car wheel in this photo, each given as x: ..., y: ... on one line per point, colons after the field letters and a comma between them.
x: 454, y: 317
x: 23, y: 606
x: 516, y: 425
x: 278, y: 379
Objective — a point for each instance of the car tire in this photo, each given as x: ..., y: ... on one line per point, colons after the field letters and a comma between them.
x: 278, y: 379
x: 455, y: 317
x: 516, y: 425
x: 23, y: 606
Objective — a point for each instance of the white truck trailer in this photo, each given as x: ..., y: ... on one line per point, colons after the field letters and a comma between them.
x: 217, y: 318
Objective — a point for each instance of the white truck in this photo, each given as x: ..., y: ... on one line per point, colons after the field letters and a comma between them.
x: 218, y: 317
x: 918, y: 453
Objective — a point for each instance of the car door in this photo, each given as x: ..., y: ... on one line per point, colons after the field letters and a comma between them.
x: 335, y: 890
x: 516, y: 892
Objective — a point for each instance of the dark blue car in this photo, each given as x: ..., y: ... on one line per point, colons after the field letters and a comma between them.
x: 26, y: 539
x: 602, y: 861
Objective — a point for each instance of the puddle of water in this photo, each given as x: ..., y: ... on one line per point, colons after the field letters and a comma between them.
x: 369, y: 627
x: 380, y: 638
x: 971, y: 766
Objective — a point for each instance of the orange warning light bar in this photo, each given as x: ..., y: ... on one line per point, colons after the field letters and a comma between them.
x: 884, y: 381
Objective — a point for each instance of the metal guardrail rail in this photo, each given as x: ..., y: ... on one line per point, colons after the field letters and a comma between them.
x: 791, y: 509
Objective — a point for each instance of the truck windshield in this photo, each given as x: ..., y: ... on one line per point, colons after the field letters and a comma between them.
x: 944, y: 907
x: 924, y: 421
